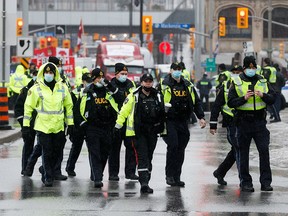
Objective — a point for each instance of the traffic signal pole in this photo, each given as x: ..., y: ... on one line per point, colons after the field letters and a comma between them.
x: 269, y: 29
x: 141, y: 15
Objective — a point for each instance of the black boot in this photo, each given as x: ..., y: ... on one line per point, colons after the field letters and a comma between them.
x: 146, y: 189
x: 220, y: 179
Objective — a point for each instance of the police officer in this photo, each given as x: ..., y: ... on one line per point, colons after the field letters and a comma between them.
x: 183, y: 99
x: 249, y: 95
x: 18, y: 80
x: 52, y: 101
x: 125, y: 86
x: 185, y: 72
x: 220, y: 105
x: 98, y: 112
x: 29, y: 137
x: 204, y: 85
x: 144, y: 111
x: 223, y: 75
x: 78, y: 137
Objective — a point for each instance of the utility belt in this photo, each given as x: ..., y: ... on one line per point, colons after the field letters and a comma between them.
x: 251, y: 116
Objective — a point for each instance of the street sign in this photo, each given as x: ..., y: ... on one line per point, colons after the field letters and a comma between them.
x: 44, y: 34
x: 60, y: 29
x: 25, y: 46
x: 248, y: 47
x: 171, y: 25
x: 164, y: 47
x: 210, y: 65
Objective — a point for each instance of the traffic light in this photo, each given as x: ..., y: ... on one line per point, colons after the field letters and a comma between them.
x: 222, y: 26
x: 147, y: 25
x: 66, y: 43
x: 103, y: 38
x: 49, y: 40
x: 281, y: 50
x: 242, y: 17
x: 19, y: 26
x: 42, y: 43
x: 192, y: 38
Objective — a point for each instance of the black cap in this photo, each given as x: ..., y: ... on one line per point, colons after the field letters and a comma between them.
x: 120, y: 67
x: 267, y: 61
x: 146, y: 77
x: 49, y: 67
x: 86, y: 77
x: 96, y: 73
x: 175, y: 66
x: 182, y: 65
x: 34, y: 72
x: 235, y: 68
x: 55, y: 60
x: 222, y: 66
x: 249, y: 60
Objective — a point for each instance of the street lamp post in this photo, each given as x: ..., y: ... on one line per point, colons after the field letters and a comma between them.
x: 269, y: 29
x: 141, y: 15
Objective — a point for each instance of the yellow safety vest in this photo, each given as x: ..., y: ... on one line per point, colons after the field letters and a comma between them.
x: 255, y: 102
x: 272, y: 77
x: 226, y: 109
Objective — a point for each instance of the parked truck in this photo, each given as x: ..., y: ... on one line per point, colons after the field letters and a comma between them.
x: 111, y: 52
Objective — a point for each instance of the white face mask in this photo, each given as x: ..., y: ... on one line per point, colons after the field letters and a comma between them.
x: 99, y: 85
x: 234, y: 75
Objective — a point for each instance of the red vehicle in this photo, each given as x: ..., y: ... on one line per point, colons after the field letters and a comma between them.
x: 111, y: 52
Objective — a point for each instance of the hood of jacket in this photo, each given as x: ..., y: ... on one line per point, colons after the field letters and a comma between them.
x: 40, y: 76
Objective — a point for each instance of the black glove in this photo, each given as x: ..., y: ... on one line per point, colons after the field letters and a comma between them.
x: 116, y: 133
x: 70, y: 132
x: 26, y: 132
x: 108, y: 85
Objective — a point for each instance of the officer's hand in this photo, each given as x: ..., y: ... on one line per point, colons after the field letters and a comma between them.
x: 116, y: 133
x: 26, y: 132
x: 70, y: 130
x: 248, y: 94
x: 202, y: 123
x: 259, y: 93
x: 213, y: 131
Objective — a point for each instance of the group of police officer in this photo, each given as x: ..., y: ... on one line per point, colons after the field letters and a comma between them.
x: 105, y: 113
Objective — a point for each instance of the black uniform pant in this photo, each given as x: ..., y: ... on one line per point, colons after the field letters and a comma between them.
x: 177, y: 138
x: 206, y: 97
x: 37, y: 152
x: 233, y: 154
x: 98, y: 141
x: 52, y: 149
x: 145, y: 144
x: 246, y: 131
x: 75, y: 151
x: 130, y: 157
x: 27, y: 148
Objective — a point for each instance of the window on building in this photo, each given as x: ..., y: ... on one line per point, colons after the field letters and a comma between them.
x: 278, y: 15
x: 231, y: 24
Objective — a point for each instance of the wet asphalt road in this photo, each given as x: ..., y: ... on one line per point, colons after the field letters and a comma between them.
x: 201, y: 195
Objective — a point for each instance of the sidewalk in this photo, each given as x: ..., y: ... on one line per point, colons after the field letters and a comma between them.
x: 7, y: 136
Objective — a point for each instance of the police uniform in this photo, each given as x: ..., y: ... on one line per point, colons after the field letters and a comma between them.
x: 49, y: 97
x: 78, y: 137
x: 220, y: 105
x: 98, y: 111
x: 18, y: 80
x: 245, y: 96
x: 183, y: 97
x: 224, y: 75
x: 29, y: 135
x: 143, y: 111
x: 124, y: 86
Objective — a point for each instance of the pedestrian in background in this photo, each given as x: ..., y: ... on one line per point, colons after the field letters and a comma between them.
x: 249, y: 95
x: 144, y: 114
x: 125, y: 86
x: 204, y: 85
x: 182, y: 98
x: 52, y: 101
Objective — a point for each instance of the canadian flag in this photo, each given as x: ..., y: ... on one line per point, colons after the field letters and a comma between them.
x: 79, y: 38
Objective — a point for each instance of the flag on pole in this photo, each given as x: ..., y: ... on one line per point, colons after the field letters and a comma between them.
x: 79, y: 38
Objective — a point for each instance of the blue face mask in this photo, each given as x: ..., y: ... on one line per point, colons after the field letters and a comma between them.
x: 34, y: 78
x: 176, y: 74
x: 49, y: 77
x: 122, y: 78
x: 250, y: 72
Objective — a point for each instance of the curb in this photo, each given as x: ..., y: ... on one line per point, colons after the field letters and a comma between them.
x: 10, y: 136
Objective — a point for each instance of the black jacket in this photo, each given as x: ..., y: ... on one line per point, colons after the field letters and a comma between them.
x: 19, y: 105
